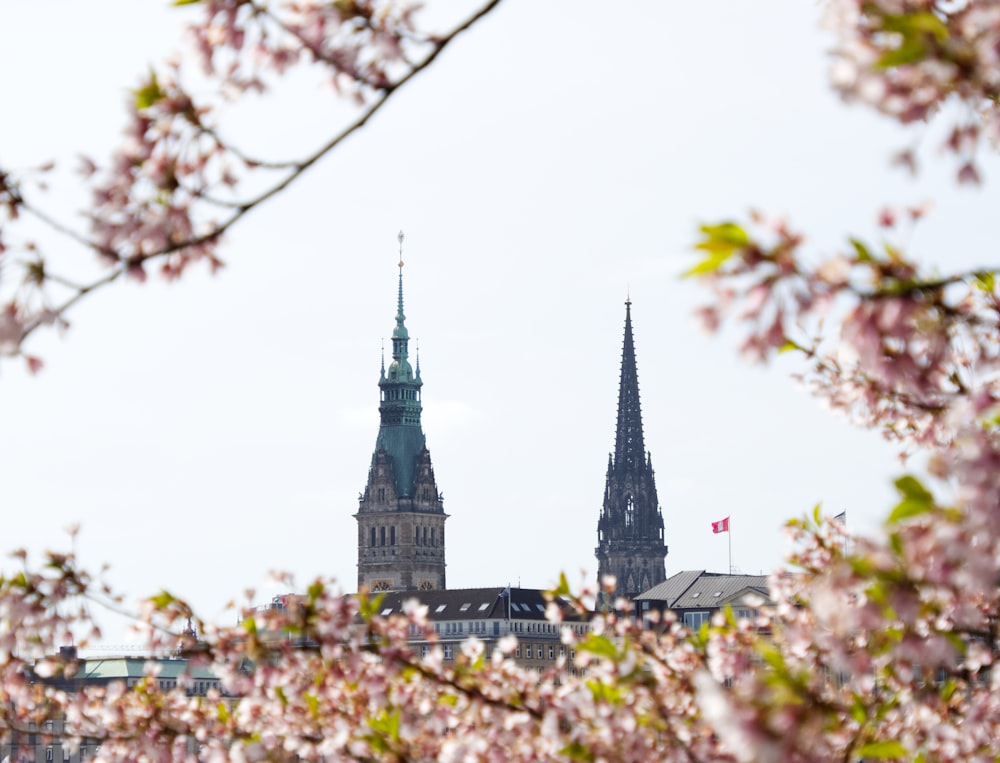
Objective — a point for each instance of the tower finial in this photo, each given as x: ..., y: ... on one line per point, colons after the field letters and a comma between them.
x: 399, y: 311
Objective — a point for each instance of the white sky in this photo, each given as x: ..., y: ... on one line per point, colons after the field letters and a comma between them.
x: 558, y: 157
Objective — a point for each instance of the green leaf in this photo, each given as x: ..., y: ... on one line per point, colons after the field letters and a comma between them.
x: 986, y: 280
x: 912, y: 24
x: 386, y: 724
x: 163, y: 599
x: 916, y: 499
x: 708, y: 265
x: 315, y: 591
x: 149, y: 93
x: 772, y: 656
x: 563, y: 588
x: 368, y: 606
x: 598, y: 645
x: 864, y: 255
x: 789, y: 346
x: 907, y: 509
x: 919, y: 31
x: 577, y: 751
x: 910, y: 487
x: 909, y: 52
x: 250, y: 626
x: 604, y: 692
x: 882, y: 750
x: 728, y: 233
x: 721, y: 241
x: 858, y: 711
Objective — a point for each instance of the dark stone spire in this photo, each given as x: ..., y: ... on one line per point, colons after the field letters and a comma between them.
x: 629, y: 447
x: 630, y: 528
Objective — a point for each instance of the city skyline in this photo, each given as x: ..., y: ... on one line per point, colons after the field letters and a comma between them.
x: 205, y: 432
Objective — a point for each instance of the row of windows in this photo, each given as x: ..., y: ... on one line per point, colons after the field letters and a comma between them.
x: 524, y: 651
x: 538, y: 651
x: 694, y: 620
x: 379, y: 535
x: 401, y: 394
x: 479, y: 627
x: 458, y: 629
x: 549, y: 628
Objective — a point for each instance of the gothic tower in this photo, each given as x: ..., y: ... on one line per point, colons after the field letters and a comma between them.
x: 400, y: 514
x: 630, y: 530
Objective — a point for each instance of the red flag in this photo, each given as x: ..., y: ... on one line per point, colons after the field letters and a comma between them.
x: 722, y: 526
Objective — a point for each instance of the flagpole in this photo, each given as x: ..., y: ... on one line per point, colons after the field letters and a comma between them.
x: 729, y: 528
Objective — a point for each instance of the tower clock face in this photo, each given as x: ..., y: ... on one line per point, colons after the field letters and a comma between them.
x: 381, y: 585
x: 426, y: 585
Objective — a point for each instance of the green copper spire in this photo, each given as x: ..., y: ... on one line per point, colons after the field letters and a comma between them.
x: 400, y: 433
x: 400, y: 512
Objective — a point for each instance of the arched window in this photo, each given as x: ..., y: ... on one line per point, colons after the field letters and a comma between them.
x: 373, y: 536
x: 382, y: 536
x: 392, y: 535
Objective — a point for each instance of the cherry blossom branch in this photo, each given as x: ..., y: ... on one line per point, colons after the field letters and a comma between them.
x: 152, y: 205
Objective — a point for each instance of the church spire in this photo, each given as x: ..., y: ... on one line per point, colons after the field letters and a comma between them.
x: 629, y: 446
x: 630, y: 528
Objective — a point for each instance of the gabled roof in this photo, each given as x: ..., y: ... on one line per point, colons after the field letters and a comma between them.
x: 697, y: 589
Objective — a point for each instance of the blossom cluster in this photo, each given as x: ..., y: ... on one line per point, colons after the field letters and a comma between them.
x: 910, y: 58
x: 326, y: 678
x: 882, y: 648
x: 177, y: 182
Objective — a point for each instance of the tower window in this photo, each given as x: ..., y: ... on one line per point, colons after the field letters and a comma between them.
x: 382, y: 536
x: 373, y: 537
x: 392, y: 536
x: 432, y: 536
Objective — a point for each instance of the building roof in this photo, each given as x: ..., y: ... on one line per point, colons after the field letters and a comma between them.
x: 698, y: 589
x: 135, y: 667
x: 472, y: 603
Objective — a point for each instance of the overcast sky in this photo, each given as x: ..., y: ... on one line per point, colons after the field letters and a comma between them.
x: 558, y: 158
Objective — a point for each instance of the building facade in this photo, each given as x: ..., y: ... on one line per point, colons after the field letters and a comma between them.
x: 489, y: 614
x: 401, y: 543
x: 630, y: 542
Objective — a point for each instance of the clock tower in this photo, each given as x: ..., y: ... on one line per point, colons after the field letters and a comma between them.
x: 400, y: 513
